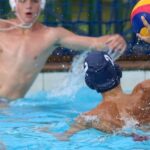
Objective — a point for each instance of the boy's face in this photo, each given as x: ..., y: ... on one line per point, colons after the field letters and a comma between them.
x: 27, y: 10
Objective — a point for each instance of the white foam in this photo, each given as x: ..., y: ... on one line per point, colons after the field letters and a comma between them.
x: 130, y: 123
x: 90, y: 118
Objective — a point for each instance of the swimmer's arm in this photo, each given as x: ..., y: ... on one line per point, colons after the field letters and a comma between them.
x: 73, y: 130
x: 76, y: 127
x: 102, y: 125
x: 83, y: 123
x: 76, y: 42
x: 79, y: 125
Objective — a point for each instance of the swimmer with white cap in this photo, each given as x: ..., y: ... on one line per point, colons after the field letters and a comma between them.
x: 26, y: 44
x: 22, y: 24
x: 116, y: 107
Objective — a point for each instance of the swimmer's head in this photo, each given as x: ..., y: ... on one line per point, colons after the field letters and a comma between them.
x: 27, y: 16
x: 13, y: 4
x: 102, y: 74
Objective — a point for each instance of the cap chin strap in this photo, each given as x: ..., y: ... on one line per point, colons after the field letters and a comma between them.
x: 25, y: 25
x: 21, y: 25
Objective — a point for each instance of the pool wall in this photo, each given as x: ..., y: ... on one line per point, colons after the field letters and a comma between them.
x: 50, y: 80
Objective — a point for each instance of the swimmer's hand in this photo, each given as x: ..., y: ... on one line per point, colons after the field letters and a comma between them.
x: 116, y: 44
x: 140, y: 138
x: 147, y: 25
x: 136, y: 137
x: 143, y: 38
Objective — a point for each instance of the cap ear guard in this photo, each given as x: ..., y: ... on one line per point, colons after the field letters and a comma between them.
x: 102, y: 74
x: 118, y: 71
x: 88, y: 79
x: 113, y: 82
x: 13, y: 4
x: 89, y: 83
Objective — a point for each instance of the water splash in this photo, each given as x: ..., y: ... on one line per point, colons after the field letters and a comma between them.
x: 130, y: 124
x: 74, y: 79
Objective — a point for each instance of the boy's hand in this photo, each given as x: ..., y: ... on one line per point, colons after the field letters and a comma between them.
x: 116, y: 45
x: 147, y: 25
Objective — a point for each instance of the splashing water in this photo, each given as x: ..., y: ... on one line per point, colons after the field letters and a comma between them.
x: 130, y: 124
x: 74, y: 79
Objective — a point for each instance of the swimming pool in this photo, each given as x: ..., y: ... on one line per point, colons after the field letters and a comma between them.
x: 20, y: 124
x: 56, y: 109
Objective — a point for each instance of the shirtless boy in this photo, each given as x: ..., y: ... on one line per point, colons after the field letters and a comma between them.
x: 25, y: 45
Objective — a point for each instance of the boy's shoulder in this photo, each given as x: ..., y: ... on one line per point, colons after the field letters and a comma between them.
x: 142, y: 86
x: 143, y: 91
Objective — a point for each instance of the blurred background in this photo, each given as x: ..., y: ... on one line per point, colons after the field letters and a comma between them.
x: 92, y: 18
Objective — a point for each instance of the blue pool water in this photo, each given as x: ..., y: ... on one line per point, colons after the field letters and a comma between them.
x: 20, y: 124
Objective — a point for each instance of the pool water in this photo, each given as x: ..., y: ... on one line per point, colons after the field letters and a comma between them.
x: 20, y: 124
x: 22, y: 121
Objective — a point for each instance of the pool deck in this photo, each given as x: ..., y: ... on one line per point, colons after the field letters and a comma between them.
x: 134, y: 71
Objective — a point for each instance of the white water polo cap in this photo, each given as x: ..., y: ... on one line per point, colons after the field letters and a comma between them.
x: 13, y: 4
